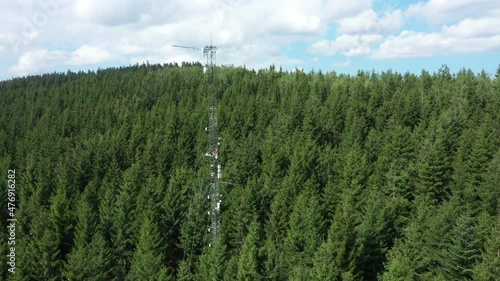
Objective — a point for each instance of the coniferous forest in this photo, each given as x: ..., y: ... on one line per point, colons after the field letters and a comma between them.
x: 372, y: 176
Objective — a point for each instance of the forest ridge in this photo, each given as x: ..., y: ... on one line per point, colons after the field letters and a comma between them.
x: 372, y: 176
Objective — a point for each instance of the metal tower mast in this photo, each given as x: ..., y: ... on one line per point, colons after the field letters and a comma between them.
x: 214, y: 196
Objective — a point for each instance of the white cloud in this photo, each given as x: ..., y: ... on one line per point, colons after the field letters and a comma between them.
x: 348, y: 45
x: 257, y: 55
x: 338, y: 9
x: 441, y: 11
x: 359, y: 51
x: 125, y: 48
x: 111, y: 12
x: 473, y: 28
x: 369, y: 22
x: 89, y: 55
x: 296, y: 16
x: 363, y: 22
x: 467, y: 37
x: 250, y: 32
x: 359, y: 33
x: 46, y: 61
x: 391, y: 21
x: 89, y: 32
x: 38, y: 61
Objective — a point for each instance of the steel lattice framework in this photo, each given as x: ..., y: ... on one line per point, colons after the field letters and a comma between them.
x: 215, y: 196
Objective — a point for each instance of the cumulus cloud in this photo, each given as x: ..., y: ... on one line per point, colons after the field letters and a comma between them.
x: 473, y: 28
x: 46, y: 61
x: 442, y: 11
x: 467, y: 37
x: 339, y: 9
x: 257, y: 55
x: 348, y: 45
x: 37, y: 61
x: 369, y: 22
x: 358, y: 34
x: 111, y: 12
x: 89, y: 32
x: 250, y: 32
x: 370, y: 33
x: 296, y: 16
x: 89, y: 55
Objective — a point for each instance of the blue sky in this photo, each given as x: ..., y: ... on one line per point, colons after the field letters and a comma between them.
x: 40, y: 36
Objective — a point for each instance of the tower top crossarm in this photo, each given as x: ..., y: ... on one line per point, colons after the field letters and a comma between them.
x: 186, y: 47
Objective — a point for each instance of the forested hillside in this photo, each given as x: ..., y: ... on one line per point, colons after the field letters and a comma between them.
x: 374, y: 176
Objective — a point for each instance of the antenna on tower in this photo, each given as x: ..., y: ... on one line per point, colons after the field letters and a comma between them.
x: 215, y: 197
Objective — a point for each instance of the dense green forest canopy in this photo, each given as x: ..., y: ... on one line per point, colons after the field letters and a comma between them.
x: 373, y: 176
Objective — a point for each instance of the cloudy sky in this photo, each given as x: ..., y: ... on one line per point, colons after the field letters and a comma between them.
x: 39, y: 36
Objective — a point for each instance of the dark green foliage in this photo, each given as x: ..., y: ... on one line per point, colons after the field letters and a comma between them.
x: 489, y: 267
x: 89, y: 256
x: 303, y: 237
x: 147, y: 260
x: 463, y: 251
x: 249, y: 264
x: 89, y: 261
x: 433, y: 167
x: 336, y: 256
x: 375, y: 234
x: 212, y: 262
x: 184, y: 271
x: 489, y: 191
x: 326, y: 176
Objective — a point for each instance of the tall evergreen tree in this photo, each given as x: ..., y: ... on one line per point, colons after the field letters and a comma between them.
x: 147, y: 261
x: 89, y: 261
x: 184, y: 271
x: 489, y: 267
x: 249, y: 264
x: 433, y: 168
x: 213, y: 262
x: 489, y: 191
x: 89, y: 256
x: 375, y: 234
x: 464, y: 251
x: 336, y: 256
x: 304, y: 236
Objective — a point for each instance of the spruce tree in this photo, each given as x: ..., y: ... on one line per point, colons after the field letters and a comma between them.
x: 242, y: 207
x: 184, y: 271
x: 147, y: 260
x: 374, y: 236
x: 463, y: 251
x: 213, y: 262
x: 40, y: 253
x: 249, y: 262
x: 89, y: 261
x: 433, y: 168
x: 124, y: 218
x: 489, y: 191
x: 231, y: 272
x: 303, y: 237
x: 336, y: 256
x: 193, y: 229
x: 276, y: 230
x: 489, y: 267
